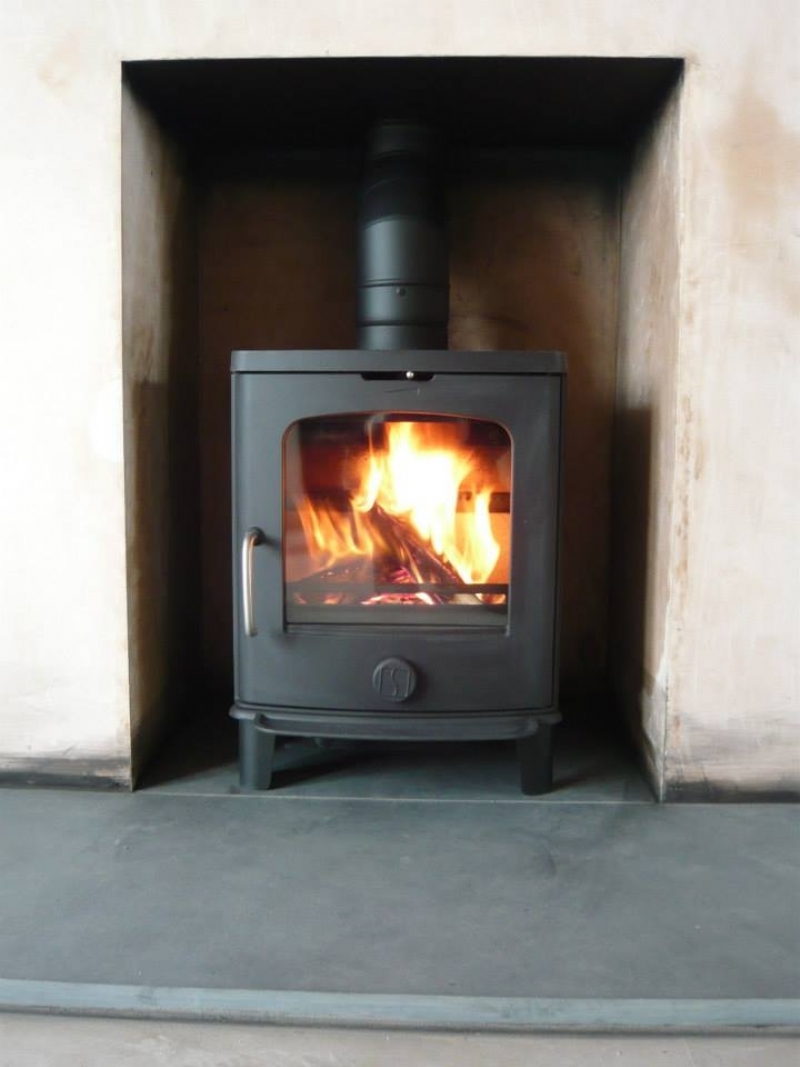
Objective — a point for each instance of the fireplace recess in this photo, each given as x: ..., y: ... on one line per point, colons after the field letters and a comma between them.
x: 396, y: 511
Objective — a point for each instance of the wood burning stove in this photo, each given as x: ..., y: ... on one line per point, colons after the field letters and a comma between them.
x: 396, y: 512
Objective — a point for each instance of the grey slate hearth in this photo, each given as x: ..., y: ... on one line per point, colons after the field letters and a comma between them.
x: 402, y: 888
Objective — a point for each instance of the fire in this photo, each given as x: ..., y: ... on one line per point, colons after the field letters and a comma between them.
x: 417, y: 478
x: 418, y: 504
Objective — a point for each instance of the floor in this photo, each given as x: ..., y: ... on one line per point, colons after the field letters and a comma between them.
x: 405, y: 886
x: 33, y: 1041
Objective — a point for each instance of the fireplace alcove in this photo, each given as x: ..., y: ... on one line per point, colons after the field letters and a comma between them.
x: 239, y: 189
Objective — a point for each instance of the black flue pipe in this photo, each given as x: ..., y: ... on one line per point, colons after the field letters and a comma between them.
x: 403, y: 284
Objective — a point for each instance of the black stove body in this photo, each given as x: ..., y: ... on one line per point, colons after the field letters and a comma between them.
x: 341, y: 630
x: 396, y: 511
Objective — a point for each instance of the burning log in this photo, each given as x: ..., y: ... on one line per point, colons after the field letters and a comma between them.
x: 400, y: 557
x: 401, y: 542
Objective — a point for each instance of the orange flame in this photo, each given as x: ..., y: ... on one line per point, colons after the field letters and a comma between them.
x: 423, y: 477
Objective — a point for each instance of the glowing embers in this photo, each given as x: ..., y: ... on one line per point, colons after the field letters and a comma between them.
x: 390, y: 511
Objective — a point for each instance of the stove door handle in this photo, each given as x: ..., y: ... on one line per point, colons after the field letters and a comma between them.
x: 252, y: 537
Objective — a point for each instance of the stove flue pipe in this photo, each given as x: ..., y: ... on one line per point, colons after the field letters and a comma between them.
x: 403, y: 285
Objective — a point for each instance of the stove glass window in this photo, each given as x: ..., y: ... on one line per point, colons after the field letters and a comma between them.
x: 396, y: 519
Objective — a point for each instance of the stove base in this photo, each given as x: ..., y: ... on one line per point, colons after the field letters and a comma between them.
x: 259, y: 727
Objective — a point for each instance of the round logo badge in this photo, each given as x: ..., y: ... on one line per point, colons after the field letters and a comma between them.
x: 394, y: 680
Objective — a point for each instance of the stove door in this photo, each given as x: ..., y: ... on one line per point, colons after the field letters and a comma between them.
x: 395, y: 542
x: 396, y: 519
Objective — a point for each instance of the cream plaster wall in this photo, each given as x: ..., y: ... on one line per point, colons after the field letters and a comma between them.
x: 63, y: 627
x: 730, y: 662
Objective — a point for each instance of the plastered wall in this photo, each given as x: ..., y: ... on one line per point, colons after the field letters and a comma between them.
x: 727, y: 654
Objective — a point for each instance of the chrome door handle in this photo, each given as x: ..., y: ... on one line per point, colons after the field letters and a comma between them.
x: 252, y: 537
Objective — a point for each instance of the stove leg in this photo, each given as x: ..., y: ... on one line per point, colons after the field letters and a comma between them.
x: 535, y: 754
x: 256, y: 749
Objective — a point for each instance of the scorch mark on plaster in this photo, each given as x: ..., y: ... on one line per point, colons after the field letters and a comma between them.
x: 684, y: 462
x: 699, y: 458
x: 760, y: 158
x: 689, y: 461
x: 62, y: 64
